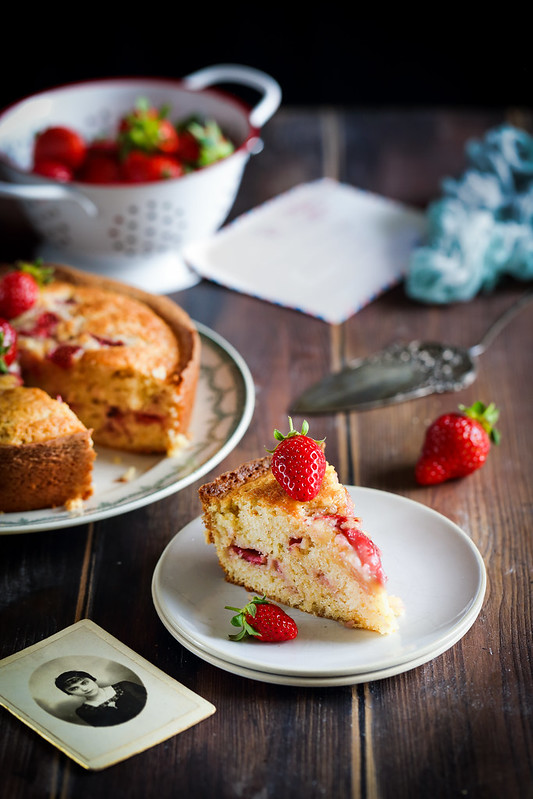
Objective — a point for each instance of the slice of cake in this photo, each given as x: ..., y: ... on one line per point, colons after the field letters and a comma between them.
x: 126, y: 362
x: 46, y: 453
x: 311, y: 555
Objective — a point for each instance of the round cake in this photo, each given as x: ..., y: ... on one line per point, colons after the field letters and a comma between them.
x: 125, y: 361
x: 119, y: 364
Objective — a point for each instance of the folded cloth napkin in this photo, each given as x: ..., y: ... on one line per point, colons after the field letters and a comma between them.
x: 482, y: 226
x: 324, y: 248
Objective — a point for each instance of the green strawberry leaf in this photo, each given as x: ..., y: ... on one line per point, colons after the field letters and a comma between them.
x: 486, y: 415
x: 239, y: 620
x: 42, y: 274
x: 279, y: 436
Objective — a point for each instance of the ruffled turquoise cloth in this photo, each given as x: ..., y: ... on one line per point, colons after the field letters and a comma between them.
x: 482, y: 226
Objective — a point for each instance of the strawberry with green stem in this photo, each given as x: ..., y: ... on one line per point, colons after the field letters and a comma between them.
x: 19, y: 288
x: 457, y: 444
x: 202, y: 142
x: 147, y: 129
x: 263, y: 621
x: 298, y: 463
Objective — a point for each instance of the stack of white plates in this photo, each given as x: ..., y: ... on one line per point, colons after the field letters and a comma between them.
x: 431, y: 564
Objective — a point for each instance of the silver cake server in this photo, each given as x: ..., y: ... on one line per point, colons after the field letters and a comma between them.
x: 401, y: 372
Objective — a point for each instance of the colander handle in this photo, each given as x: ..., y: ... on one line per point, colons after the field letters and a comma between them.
x: 47, y: 191
x: 246, y: 76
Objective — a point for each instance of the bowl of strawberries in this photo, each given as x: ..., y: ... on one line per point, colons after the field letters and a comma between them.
x: 119, y: 175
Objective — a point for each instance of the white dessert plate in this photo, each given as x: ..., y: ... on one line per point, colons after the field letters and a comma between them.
x: 311, y: 682
x: 124, y: 481
x: 432, y: 565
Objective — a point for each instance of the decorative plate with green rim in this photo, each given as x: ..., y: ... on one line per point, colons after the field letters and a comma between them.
x: 124, y: 481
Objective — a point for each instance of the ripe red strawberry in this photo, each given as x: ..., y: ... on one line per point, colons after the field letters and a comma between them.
x: 298, y: 463
x: 188, y: 148
x: 147, y: 128
x: 19, y: 289
x: 18, y: 293
x: 456, y: 444
x: 264, y: 621
x: 8, y: 345
x: 59, y: 144
x: 100, y: 167
x: 139, y: 167
x: 55, y: 170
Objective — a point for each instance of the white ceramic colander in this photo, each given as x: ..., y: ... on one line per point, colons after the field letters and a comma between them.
x: 134, y: 233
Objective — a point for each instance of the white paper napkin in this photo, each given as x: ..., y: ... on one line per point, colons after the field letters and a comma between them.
x: 323, y: 248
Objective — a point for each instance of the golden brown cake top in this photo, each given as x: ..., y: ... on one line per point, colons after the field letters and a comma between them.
x: 186, y: 345
x: 105, y: 326
x: 255, y: 480
x: 10, y: 380
x: 229, y: 481
x: 30, y: 415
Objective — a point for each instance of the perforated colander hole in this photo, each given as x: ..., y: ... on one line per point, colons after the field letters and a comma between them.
x: 155, y: 227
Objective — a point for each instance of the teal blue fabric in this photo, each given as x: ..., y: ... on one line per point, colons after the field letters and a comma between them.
x: 481, y: 228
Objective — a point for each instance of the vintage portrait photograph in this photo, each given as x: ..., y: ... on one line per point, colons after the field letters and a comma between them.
x: 90, y: 690
x: 95, y: 699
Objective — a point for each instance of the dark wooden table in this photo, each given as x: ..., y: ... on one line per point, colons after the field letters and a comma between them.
x: 458, y: 726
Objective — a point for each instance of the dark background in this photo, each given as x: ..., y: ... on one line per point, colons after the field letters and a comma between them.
x: 432, y: 58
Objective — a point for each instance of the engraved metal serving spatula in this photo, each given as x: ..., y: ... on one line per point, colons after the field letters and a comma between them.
x: 401, y: 372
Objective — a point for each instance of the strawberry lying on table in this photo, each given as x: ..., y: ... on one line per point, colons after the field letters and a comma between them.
x: 457, y: 444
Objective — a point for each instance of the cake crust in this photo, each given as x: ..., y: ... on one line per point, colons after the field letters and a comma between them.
x: 228, y: 481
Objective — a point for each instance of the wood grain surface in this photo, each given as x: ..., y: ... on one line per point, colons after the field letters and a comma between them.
x: 458, y: 726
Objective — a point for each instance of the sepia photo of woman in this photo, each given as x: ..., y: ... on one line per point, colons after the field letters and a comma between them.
x: 88, y: 690
x: 102, y: 706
